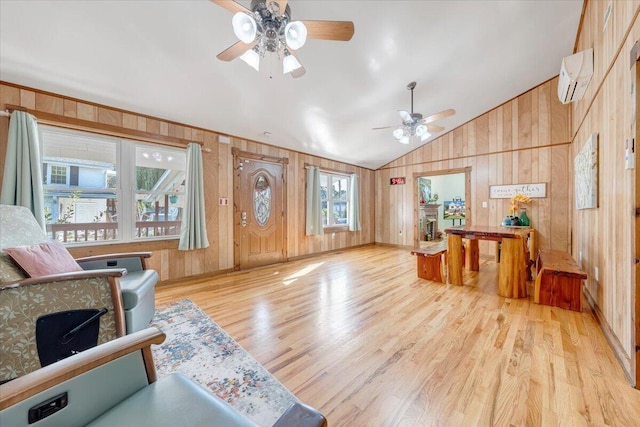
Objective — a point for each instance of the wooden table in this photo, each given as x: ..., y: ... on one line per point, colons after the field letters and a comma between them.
x: 512, y: 277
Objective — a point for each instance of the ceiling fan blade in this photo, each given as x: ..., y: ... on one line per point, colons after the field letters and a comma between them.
x: 235, y: 50
x: 386, y: 127
x: 435, y: 128
x: 438, y: 116
x: 329, y: 30
x: 405, y: 116
x: 283, y: 5
x: 231, y: 6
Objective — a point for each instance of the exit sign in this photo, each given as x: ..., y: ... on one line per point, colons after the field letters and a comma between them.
x: 397, y: 181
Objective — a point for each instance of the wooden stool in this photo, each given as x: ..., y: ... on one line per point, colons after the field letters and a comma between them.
x: 429, y: 265
x: 559, y: 280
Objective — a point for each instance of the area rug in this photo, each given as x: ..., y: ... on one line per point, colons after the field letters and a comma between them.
x: 200, y: 349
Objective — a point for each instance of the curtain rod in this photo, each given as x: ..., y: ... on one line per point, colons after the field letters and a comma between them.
x: 309, y: 165
x: 86, y: 125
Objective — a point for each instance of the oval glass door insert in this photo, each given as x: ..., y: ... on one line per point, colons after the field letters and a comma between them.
x: 262, y: 200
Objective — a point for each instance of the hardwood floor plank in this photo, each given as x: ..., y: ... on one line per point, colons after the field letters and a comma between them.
x: 358, y: 336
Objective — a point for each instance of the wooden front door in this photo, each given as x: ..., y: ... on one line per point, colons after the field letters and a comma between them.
x: 259, y: 210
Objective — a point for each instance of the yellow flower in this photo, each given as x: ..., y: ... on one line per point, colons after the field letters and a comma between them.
x: 516, y: 200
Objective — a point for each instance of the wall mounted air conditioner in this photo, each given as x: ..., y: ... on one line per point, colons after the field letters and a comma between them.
x: 575, y: 75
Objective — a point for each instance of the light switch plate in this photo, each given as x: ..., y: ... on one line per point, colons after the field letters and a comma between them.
x: 629, y: 154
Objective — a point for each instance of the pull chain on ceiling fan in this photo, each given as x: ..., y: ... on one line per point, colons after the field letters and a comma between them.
x: 267, y: 27
x: 413, y: 125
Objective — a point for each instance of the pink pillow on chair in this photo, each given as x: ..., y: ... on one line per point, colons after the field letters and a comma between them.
x: 43, y: 259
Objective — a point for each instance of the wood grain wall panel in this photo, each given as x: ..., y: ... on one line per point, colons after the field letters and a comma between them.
x: 27, y: 99
x: 49, y: 104
x: 8, y: 95
x: 172, y: 264
x: 130, y: 121
x: 70, y: 108
x: 109, y: 117
x: 604, y: 236
x: 508, y: 145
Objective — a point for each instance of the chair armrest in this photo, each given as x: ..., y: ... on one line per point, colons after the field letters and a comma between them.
x: 301, y: 415
x: 122, y: 255
x: 61, y: 277
x: 35, y: 382
x: 114, y: 256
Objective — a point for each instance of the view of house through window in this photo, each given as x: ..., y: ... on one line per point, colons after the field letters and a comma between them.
x: 101, y: 188
x: 334, y: 195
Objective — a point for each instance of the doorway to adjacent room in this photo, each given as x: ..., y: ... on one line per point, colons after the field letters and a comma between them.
x: 442, y: 200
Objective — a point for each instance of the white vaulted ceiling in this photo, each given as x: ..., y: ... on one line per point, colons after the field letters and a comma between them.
x: 159, y: 58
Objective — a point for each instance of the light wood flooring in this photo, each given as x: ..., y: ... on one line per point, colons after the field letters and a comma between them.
x: 358, y: 336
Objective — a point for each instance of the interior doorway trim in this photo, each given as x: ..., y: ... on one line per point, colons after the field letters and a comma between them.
x: 467, y: 195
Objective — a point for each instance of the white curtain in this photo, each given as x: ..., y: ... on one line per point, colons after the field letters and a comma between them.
x: 354, y: 204
x: 22, y: 180
x: 314, y: 205
x: 193, y: 232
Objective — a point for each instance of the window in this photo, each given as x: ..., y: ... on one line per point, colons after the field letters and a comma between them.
x: 58, y: 175
x: 334, y: 195
x: 99, y: 188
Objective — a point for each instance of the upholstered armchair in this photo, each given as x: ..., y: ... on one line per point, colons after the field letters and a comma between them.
x: 32, y: 308
x: 115, y: 384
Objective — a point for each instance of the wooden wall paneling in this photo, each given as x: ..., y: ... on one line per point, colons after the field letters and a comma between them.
x: 27, y: 99
x: 86, y: 112
x: 171, y: 264
x: 224, y: 170
x: 516, y: 125
x: 8, y: 95
x: 111, y: 117
x: 49, y: 104
x: 604, y: 235
x: 130, y: 121
x: 69, y: 108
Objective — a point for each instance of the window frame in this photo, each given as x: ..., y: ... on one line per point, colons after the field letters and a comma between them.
x: 331, y: 226
x: 67, y: 174
x: 125, y: 190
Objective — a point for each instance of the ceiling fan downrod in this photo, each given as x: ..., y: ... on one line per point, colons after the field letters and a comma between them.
x: 411, y: 86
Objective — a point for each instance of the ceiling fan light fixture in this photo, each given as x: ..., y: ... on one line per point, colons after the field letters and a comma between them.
x: 252, y: 58
x: 244, y: 27
x: 398, y: 133
x: 405, y: 139
x: 425, y: 136
x: 295, y: 34
x: 421, y: 130
x: 289, y: 63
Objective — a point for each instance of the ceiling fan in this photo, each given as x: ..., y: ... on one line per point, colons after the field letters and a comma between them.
x: 267, y: 27
x: 414, y: 125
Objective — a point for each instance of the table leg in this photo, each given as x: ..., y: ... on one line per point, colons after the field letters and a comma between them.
x: 512, y: 281
x: 455, y: 260
x: 472, y: 255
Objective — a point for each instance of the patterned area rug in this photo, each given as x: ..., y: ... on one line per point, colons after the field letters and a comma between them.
x: 200, y: 349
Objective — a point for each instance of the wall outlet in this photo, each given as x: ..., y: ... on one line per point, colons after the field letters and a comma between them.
x: 596, y: 274
x: 333, y: 236
x: 484, y: 204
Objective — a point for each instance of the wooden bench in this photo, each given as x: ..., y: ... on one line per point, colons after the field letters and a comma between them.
x: 559, y: 280
x: 429, y: 264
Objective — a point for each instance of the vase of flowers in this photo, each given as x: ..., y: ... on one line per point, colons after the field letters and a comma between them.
x: 515, y: 208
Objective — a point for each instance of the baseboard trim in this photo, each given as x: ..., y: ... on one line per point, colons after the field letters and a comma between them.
x: 612, y: 339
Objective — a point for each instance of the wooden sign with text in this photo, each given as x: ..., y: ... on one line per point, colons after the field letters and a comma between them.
x: 538, y: 190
